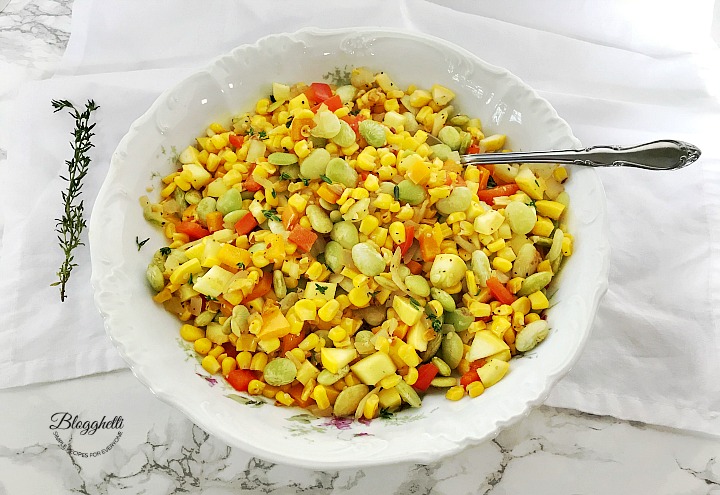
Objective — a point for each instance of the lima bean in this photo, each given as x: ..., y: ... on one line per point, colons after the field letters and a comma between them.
x: 432, y: 348
x: 373, y: 132
x: 534, y: 283
x: 319, y: 220
x: 193, y: 197
x: 367, y: 259
x: 315, y: 164
x: 408, y: 394
x: 230, y: 201
x: 155, y: 277
x: 346, y: 234
x: 279, y: 158
x: 459, y: 200
x: 460, y: 319
x: 334, y: 256
x: 452, y: 349
x: 481, y: 267
x: 338, y: 170
x: 441, y: 151
x: 279, y: 286
x: 531, y: 335
x: 279, y: 372
x: 204, y: 318
x: 444, y: 381
x: 205, y: 206
x: 445, y: 299
x: 327, y: 378
x: 349, y: 399
x: 418, y: 285
x: 451, y: 137
x: 520, y: 216
x: 411, y: 193
x: 345, y: 136
x: 443, y: 368
x: 358, y: 211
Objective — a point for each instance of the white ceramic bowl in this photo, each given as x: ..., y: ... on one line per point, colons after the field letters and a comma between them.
x: 147, y: 337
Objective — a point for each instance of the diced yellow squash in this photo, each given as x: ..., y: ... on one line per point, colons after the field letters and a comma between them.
x: 213, y: 282
x: 307, y: 372
x: 180, y: 275
x: 492, y: 143
x: 418, y: 172
x: 281, y: 92
x: 417, y: 335
x: 334, y: 358
x: 374, y: 368
x: 441, y: 95
x: 196, y: 251
x: 551, y: 209
x: 320, y: 290
x: 529, y: 184
x: 492, y: 372
x: 485, y: 344
x: 300, y: 101
x: 408, y: 313
x: 274, y: 325
x: 502, y: 355
x: 234, y: 256
x: 209, y: 257
x: 389, y: 399
x: 196, y: 175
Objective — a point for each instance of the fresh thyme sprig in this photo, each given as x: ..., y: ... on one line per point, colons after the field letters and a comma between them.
x: 70, y: 226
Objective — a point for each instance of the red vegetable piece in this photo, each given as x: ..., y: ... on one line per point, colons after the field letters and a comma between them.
x: 304, y: 238
x: 499, y: 291
x: 260, y: 289
x: 236, y: 140
x: 426, y: 374
x: 246, y: 224
x: 193, y: 230
x: 239, y: 379
x: 318, y: 92
x: 489, y: 195
x: 409, y: 238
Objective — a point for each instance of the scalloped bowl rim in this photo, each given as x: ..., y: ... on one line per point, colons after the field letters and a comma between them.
x: 111, y: 304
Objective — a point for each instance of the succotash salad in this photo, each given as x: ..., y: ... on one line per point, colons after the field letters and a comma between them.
x: 325, y: 254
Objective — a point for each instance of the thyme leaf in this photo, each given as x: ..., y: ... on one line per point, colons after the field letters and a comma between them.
x: 271, y: 215
x: 71, y: 224
x: 140, y: 243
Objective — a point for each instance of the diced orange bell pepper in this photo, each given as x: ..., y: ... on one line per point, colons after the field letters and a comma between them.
x: 429, y: 247
x: 327, y: 194
x: 260, y: 289
x: 214, y: 221
x: 304, y: 238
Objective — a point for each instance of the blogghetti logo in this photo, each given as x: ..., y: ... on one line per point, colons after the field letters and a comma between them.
x: 86, y: 437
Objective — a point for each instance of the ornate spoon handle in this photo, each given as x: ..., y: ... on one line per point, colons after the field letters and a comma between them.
x: 657, y: 155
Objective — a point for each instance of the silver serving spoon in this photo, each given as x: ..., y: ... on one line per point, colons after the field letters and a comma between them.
x: 657, y: 155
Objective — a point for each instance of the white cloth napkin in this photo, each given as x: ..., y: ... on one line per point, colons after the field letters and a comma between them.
x: 653, y: 353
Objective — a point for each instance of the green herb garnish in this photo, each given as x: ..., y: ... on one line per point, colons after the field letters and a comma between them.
x: 241, y: 265
x: 210, y: 298
x: 250, y: 132
x: 385, y: 413
x: 70, y: 226
x: 262, y: 134
x: 165, y: 251
x: 271, y: 215
x: 289, y: 122
x: 396, y: 192
x: 285, y: 176
x: 321, y: 288
x: 436, y: 323
x: 491, y: 183
x: 327, y: 179
x: 306, y: 182
x: 140, y: 243
x: 273, y: 193
x: 415, y: 304
x: 190, y: 279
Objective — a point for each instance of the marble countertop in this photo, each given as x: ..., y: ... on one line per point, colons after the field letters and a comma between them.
x: 551, y: 451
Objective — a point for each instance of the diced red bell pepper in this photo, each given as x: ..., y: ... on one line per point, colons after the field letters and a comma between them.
x: 489, y: 195
x: 240, y: 379
x: 469, y: 377
x: 354, y: 123
x: 251, y: 184
x: 290, y: 217
x: 426, y: 374
x: 193, y: 230
x: 409, y: 238
x: 290, y: 342
x: 304, y: 238
x: 260, y: 289
x: 472, y: 149
x: 318, y: 92
x: 429, y: 247
x: 235, y: 140
x: 246, y: 224
x: 230, y: 349
x: 499, y: 291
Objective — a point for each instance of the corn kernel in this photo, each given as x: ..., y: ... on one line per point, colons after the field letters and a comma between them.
x: 360, y: 296
x: 496, y: 246
x: 359, y: 193
x: 501, y: 264
x: 346, y: 205
x: 328, y: 311
x: 475, y: 388
x: 390, y: 381
x: 371, y: 183
x: 305, y: 310
x: 371, y: 406
x: 544, y: 266
x: 228, y: 365
x: 298, y: 202
x: 309, y: 342
x: 258, y: 361
x: 320, y: 395
x: 191, y: 333
x: 405, y: 213
x: 337, y: 334
x: 479, y: 310
x: 202, y: 346
x: 538, y: 301
x: 455, y: 393
x: 411, y: 376
x: 383, y: 201
x: 407, y: 353
x: 284, y: 398
x: 456, y: 217
x: 499, y: 325
x: 210, y: 364
x: 472, y: 286
x: 301, y: 149
x: 369, y: 224
x: 388, y: 160
x: 255, y: 387
x: 436, y: 308
x: 351, y: 379
x: 243, y: 360
x: 397, y: 232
